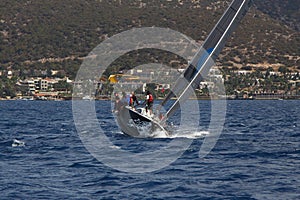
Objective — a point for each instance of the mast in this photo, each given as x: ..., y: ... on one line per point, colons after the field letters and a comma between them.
x: 207, y: 54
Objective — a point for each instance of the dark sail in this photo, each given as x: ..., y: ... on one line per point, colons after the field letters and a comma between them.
x: 207, y: 54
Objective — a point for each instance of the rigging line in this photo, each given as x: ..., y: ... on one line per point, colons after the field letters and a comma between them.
x: 197, y: 53
x: 203, y: 46
x: 194, y: 78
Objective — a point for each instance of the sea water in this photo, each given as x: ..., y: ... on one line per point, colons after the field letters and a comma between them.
x: 257, y: 156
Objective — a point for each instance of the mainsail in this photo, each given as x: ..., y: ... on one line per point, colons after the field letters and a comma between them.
x: 207, y: 54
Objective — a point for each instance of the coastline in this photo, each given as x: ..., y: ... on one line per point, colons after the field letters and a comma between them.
x: 107, y: 98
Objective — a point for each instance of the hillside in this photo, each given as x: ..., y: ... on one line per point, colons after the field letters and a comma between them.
x: 286, y: 11
x: 58, y: 34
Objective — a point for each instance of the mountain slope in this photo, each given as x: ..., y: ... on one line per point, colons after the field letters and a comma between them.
x: 287, y: 11
x: 57, y: 34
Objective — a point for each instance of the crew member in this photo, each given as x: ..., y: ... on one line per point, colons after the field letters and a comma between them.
x: 133, y: 100
x: 149, y: 102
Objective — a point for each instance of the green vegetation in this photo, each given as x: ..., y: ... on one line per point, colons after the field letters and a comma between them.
x: 63, y: 85
x: 7, y: 87
x: 57, y: 35
x: 33, y: 30
x: 285, y: 11
x: 261, y: 82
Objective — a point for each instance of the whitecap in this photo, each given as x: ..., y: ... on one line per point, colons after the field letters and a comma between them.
x: 114, y: 147
x: 159, y: 134
x: 189, y: 135
x: 17, y: 143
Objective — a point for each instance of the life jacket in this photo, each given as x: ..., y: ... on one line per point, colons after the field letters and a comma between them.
x: 150, y: 100
x: 131, y: 101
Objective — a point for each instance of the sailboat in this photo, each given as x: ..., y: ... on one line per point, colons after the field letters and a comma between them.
x: 135, y: 122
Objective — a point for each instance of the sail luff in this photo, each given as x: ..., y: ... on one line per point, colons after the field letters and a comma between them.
x: 190, y: 71
x: 218, y: 36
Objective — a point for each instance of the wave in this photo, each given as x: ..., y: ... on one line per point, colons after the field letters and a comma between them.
x: 17, y: 143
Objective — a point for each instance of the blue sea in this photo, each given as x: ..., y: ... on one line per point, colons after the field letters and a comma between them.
x: 257, y: 155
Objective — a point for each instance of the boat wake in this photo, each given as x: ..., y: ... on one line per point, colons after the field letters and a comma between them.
x: 147, y: 132
x: 190, y: 135
x: 180, y: 133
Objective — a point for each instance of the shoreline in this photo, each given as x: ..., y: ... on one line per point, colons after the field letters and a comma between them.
x: 159, y: 99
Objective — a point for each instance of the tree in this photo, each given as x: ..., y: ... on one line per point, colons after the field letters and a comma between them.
x: 283, y: 69
x: 62, y: 85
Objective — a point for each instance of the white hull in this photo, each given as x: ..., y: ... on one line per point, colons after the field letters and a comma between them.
x: 139, y: 124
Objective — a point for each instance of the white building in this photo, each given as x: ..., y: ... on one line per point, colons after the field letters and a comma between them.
x: 206, y: 84
x: 28, y: 85
x: 9, y: 74
x: 243, y: 72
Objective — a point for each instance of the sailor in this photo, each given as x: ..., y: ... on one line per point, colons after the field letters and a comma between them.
x: 133, y: 100
x: 149, y: 102
x: 118, y: 105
